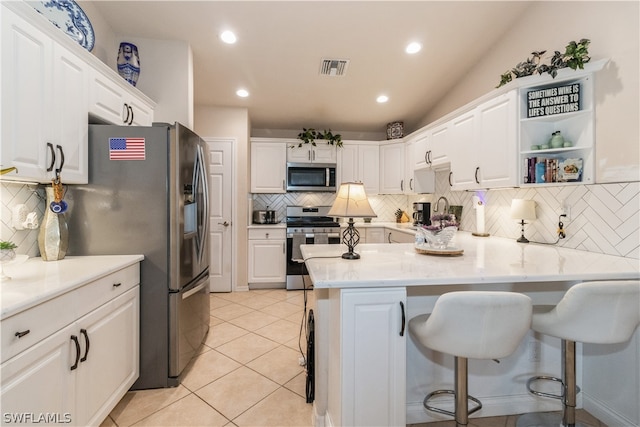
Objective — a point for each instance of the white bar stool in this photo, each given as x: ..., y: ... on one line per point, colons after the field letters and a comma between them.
x: 604, y: 312
x: 478, y: 325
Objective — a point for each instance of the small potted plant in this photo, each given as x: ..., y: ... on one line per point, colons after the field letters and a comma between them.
x: 309, y: 136
x: 7, y: 250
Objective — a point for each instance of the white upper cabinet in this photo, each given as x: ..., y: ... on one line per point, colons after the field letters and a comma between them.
x: 497, y: 142
x: 113, y: 100
x: 50, y: 86
x: 438, y: 148
x: 268, y: 167
x: 392, y: 169
x: 70, y: 95
x: 483, y: 145
x: 44, y: 105
x: 360, y: 163
x: 320, y: 153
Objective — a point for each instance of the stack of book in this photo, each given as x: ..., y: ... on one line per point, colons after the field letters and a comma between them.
x: 541, y: 170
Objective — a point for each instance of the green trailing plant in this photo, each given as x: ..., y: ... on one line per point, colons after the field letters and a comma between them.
x: 4, y: 244
x: 575, y: 56
x: 310, y: 136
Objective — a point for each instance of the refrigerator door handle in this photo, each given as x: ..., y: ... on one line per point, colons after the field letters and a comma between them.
x: 200, y: 178
x: 194, y: 290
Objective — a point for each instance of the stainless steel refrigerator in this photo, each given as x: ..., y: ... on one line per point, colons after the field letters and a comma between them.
x: 148, y: 194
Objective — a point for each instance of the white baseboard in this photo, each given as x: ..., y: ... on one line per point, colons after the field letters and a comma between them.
x: 491, y: 407
x: 319, y: 420
x: 602, y: 412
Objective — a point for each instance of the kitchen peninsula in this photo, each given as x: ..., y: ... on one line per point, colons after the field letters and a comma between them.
x: 367, y: 371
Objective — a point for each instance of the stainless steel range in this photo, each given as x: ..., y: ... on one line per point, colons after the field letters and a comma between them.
x: 307, y: 225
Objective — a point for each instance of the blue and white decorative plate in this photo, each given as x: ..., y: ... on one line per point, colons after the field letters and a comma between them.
x: 70, y: 18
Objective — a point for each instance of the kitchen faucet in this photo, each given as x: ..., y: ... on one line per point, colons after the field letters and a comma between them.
x: 446, y: 205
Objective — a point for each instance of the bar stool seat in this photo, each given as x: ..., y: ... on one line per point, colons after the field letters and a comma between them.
x: 602, y: 312
x: 469, y: 324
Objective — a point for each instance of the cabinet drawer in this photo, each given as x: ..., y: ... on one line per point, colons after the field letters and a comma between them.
x: 96, y: 293
x: 267, y: 233
x: 53, y: 315
x: 35, y: 324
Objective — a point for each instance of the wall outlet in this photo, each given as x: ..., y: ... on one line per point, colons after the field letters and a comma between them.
x: 565, y: 209
x: 533, y: 347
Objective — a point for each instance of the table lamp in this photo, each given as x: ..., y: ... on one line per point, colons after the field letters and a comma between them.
x: 523, y: 210
x: 351, y: 202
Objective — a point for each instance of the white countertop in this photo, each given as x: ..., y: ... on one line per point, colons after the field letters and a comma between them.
x: 485, y: 260
x: 36, y: 281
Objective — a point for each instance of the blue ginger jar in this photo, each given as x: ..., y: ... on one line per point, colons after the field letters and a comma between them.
x: 129, y: 62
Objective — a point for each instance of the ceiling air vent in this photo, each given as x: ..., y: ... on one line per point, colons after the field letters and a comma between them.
x: 334, y: 67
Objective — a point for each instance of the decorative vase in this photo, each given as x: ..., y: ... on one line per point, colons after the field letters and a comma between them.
x: 53, y: 239
x: 557, y: 140
x: 129, y: 62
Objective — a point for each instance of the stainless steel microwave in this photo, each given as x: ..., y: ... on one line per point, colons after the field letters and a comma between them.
x: 311, y: 177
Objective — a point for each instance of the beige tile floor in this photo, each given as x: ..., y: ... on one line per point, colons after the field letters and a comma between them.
x: 247, y: 372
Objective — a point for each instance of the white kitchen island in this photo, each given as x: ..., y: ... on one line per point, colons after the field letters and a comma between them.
x: 369, y: 373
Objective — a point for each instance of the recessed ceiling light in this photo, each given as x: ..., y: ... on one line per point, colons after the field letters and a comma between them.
x: 228, y: 37
x: 413, y: 47
x: 382, y: 99
x: 242, y: 93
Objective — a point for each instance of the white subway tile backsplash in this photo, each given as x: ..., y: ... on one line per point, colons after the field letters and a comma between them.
x: 605, y: 218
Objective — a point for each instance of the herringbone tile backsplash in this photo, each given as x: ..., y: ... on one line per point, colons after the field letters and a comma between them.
x: 605, y: 218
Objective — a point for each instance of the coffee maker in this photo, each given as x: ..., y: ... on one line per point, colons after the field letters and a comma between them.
x: 422, y: 213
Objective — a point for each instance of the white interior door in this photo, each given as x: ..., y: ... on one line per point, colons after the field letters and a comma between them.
x: 221, y: 212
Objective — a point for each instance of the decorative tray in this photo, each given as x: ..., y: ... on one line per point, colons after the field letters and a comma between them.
x: 69, y: 17
x: 441, y: 252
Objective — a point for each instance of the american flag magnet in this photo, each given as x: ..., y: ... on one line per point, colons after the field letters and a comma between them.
x: 126, y: 149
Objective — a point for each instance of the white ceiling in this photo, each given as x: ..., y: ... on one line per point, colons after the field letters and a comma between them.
x: 281, y: 44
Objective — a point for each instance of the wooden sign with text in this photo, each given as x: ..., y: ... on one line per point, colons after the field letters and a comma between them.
x: 553, y: 100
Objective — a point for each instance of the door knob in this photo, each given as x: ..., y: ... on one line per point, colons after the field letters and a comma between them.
x: 226, y: 224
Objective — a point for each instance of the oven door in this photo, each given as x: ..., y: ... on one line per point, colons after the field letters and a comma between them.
x: 297, y: 274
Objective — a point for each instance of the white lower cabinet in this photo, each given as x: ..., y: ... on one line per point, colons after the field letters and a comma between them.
x: 367, y: 388
x: 374, y: 235
x: 267, y: 255
x: 78, y: 374
x: 395, y: 236
x: 112, y: 357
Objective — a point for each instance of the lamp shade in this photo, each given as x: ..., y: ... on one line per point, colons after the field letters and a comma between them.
x: 523, y: 209
x: 351, y: 202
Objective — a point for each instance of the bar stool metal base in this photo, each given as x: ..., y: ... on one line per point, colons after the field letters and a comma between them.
x: 568, y: 396
x: 444, y: 411
x: 460, y: 394
x: 543, y: 419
